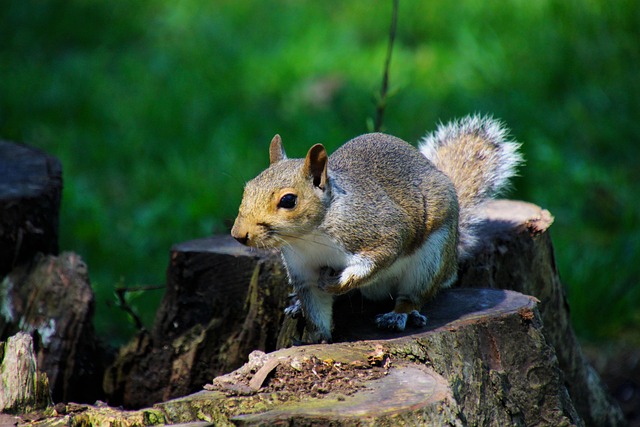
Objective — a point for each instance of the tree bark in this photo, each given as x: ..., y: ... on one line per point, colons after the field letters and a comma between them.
x: 30, y: 193
x: 51, y: 299
x: 484, y: 361
x: 517, y: 254
x: 46, y: 296
x: 222, y: 301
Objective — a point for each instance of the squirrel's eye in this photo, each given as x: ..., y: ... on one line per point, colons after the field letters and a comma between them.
x: 288, y: 201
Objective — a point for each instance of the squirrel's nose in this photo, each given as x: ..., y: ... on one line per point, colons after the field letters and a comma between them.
x: 242, y: 239
x: 240, y: 235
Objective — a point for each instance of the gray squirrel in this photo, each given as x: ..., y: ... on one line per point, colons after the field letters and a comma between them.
x: 378, y: 215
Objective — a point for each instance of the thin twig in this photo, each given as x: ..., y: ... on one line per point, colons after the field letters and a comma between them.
x: 124, y: 305
x: 382, y: 101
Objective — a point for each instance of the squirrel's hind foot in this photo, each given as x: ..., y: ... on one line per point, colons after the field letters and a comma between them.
x: 398, y: 321
x: 418, y: 320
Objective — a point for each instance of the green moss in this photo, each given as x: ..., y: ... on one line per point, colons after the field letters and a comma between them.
x: 153, y: 417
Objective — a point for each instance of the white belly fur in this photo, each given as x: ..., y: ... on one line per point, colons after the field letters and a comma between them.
x: 409, y: 275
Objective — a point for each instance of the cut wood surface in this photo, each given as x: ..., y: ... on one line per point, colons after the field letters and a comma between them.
x: 482, y: 361
x: 30, y: 192
x: 224, y: 300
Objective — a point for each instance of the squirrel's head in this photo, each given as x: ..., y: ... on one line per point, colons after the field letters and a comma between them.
x: 286, y: 201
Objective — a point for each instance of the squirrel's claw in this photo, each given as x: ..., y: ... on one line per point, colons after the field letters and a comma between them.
x: 398, y: 321
x: 329, y: 281
x: 392, y: 320
x: 418, y: 320
x: 333, y: 289
x: 295, y: 309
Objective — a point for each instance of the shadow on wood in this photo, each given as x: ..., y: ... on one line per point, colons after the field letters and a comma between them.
x: 517, y: 254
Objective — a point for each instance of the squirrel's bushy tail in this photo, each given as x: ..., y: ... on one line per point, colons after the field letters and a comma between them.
x: 476, y: 154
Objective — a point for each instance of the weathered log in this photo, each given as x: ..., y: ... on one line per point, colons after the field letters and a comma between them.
x: 51, y: 299
x: 30, y: 192
x: 23, y: 388
x: 483, y: 360
x: 517, y: 254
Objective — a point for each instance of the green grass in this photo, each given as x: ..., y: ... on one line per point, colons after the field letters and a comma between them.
x: 161, y: 110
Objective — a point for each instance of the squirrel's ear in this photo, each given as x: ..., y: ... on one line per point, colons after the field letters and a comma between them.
x: 316, y: 165
x: 276, y: 150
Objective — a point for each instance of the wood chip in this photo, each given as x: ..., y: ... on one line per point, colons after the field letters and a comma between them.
x: 258, y: 379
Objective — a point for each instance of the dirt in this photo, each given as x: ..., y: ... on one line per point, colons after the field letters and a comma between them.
x: 311, y: 376
x: 320, y: 377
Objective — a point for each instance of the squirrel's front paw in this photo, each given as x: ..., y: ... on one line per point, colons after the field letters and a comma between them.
x: 329, y: 281
x: 294, y: 310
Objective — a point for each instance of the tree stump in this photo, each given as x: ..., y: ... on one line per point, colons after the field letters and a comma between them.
x: 222, y: 301
x: 30, y: 192
x: 23, y: 388
x: 51, y: 299
x: 483, y: 360
x: 212, y: 278
x: 517, y: 254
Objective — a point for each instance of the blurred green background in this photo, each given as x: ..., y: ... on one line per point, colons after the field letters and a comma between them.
x: 160, y: 110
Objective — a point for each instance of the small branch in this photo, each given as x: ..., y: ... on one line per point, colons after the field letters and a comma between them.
x: 124, y: 305
x: 382, y: 101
